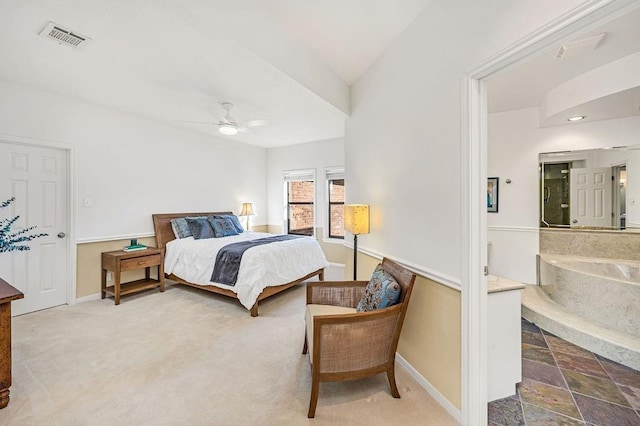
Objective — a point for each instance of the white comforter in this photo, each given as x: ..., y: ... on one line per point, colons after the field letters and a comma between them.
x: 261, y: 266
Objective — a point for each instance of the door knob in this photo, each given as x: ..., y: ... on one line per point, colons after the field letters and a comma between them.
x: 574, y: 221
x: 61, y: 235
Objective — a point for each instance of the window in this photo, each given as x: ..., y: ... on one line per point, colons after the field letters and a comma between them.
x: 335, y: 217
x: 300, y: 192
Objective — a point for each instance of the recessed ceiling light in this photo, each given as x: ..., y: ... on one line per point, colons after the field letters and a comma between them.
x: 577, y: 118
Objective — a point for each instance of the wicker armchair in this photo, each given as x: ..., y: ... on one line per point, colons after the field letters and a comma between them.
x: 346, y: 345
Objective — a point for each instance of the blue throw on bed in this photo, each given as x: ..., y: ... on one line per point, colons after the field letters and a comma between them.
x: 225, y: 270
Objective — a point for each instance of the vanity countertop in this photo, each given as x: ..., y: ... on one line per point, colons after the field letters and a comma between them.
x: 497, y: 284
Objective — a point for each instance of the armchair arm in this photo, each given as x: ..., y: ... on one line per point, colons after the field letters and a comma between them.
x: 356, y: 343
x: 337, y: 293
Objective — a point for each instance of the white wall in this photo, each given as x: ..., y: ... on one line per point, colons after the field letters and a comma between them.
x: 132, y: 167
x: 515, y: 141
x: 313, y: 155
x: 403, y: 140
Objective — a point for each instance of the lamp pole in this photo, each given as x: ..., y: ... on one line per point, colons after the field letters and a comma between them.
x: 355, y: 256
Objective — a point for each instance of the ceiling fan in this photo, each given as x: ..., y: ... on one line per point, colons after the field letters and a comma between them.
x: 229, y: 126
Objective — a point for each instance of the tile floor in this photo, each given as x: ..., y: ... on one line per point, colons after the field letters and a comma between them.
x: 563, y: 384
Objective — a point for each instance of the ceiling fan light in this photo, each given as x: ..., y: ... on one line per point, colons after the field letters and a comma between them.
x: 228, y: 129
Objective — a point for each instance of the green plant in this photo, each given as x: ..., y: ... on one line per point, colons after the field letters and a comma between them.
x: 10, y: 241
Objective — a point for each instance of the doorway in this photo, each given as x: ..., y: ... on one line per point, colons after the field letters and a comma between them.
x: 474, y: 159
x: 38, y: 178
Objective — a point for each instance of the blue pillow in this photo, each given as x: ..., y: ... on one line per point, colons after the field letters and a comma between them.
x: 222, y: 227
x: 234, y: 219
x: 381, y: 292
x: 181, y: 228
x: 200, y: 227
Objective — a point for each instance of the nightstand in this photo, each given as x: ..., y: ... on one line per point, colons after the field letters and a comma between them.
x: 120, y: 260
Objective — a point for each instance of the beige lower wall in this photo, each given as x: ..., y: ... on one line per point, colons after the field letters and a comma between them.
x: 431, y: 339
x: 260, y: 228
x: 335, y: 252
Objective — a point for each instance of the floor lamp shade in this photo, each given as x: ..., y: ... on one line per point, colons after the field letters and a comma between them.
x: 356, y: 221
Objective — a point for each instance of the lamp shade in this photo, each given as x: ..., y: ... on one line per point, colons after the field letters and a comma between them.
x: 356, y: 218
x: 247, y: 210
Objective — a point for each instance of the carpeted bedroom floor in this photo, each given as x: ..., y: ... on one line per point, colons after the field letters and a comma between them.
x: 186, y: 357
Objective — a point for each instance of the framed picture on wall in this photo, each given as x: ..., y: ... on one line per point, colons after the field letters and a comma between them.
x: 492, y: 195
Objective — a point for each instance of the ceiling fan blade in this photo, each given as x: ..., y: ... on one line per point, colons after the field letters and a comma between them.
x: 255, y: 123
x: 199, y: 122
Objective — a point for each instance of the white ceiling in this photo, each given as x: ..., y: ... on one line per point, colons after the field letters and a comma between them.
x: 287, y: 61
x: 525, y: 85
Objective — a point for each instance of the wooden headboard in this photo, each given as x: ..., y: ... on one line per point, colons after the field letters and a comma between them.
x: 162, y: 225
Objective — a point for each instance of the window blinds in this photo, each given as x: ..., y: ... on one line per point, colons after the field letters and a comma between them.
x: 299, y: 175
x: 334, y: 174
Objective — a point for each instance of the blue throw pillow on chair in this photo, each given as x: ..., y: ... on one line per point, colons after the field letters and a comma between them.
x: 381, y: 292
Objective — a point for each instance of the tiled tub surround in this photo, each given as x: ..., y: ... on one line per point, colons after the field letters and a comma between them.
x: 593, y: 303
x: 601, y: 244
x: 606, y: 291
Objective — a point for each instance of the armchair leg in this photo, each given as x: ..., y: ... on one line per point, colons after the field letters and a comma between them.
x: 315, y: 389
x: 305, y: 347
x: 391, y: 375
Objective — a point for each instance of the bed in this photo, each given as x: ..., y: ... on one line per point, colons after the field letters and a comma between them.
x: 261, y: 274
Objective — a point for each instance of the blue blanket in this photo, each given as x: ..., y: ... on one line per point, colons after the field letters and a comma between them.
x: 225, y: 270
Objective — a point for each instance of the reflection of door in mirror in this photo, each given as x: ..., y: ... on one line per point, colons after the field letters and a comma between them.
x: 591, y: 197
x: 554, y: 203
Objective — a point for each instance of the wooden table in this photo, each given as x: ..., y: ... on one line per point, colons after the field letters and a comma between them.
x: 7, y: 294
x: 120, y: 260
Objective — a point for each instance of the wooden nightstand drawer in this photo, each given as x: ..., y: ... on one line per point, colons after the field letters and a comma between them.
x: 140, y: 262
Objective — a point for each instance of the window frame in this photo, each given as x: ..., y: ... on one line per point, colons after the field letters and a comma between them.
x: 308, y: 175
x: 332, y: 174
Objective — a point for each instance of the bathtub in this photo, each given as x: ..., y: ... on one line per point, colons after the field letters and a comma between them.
x: 603, y: 291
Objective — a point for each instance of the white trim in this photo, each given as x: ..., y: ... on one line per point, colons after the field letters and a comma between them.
x: 71, y: 217
x: 474, y: 253
x: 89, y: 298
x: 589, y: 15
x: 527, y: 229
x: 114, y: 237
x: 336, y: 265
x: 431, y: 390
x: 423, y: 271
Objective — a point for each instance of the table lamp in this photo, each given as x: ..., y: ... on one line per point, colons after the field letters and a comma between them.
x: 247, y: 210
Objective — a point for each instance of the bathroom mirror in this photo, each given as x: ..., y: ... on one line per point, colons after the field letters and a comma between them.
x: 591, y: 189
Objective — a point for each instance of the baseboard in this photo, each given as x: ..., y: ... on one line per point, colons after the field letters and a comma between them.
x: 336, y: 265
x: 89, y: 298
x: 431, y: 390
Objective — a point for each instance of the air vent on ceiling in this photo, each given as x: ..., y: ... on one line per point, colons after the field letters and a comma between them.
x: 578, y: 47
x: 61, y: 35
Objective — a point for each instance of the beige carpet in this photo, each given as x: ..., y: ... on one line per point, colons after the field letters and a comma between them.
x: 186, y: 357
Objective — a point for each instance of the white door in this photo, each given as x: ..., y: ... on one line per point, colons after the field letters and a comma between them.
x: 37, y: 178
x: 590, y: 203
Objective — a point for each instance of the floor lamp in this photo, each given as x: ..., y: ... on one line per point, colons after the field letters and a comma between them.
x: 247, y: 210
x: 356, y: 221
